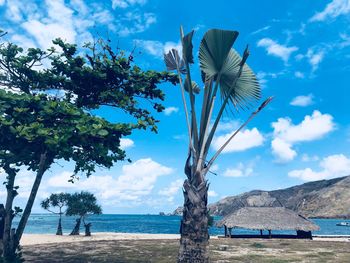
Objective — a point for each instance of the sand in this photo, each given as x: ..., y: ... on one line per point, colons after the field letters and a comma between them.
x: 38, y: 239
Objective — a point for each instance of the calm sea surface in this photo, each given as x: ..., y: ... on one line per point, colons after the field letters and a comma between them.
x: 47, y: 223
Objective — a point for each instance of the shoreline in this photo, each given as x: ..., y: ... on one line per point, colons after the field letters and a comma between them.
x: 42, y: 239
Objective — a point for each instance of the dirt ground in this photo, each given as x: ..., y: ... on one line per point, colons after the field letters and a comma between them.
x: 165, y: 251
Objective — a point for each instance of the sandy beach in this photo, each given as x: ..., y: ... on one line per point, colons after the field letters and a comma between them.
x: 163, y: 248
x: 40, y: 239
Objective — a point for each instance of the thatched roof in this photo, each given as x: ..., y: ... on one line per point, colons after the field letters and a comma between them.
x: 267, y: 218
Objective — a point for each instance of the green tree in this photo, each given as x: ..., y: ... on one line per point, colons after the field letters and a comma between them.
x: 82, y: 205
x: 56, y: 200
x: 45, y: 113
x: 224, y: 74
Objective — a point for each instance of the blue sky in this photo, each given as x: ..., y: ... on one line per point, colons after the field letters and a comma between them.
x: 299, y: 51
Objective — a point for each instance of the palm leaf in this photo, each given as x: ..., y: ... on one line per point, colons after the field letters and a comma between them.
x: 195, y: 88
x: 214, y: 48
x: 245, y: 89
x: 174, y: 62
x: 187, y: 48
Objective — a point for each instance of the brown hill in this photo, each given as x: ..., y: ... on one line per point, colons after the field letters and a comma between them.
x: 319, y: 199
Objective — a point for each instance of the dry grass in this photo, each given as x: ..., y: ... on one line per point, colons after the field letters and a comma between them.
x: 164, y: 251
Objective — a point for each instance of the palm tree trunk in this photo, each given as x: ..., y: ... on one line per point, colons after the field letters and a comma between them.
x: 59, y: 227
x: 8, y: 240
x: 76, y: 229
x: 194, y: 242
x: 26, y: 213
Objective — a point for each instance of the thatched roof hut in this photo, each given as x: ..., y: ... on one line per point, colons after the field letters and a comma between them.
x: 267, y: 218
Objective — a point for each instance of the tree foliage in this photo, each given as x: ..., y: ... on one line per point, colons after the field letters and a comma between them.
x: 47, y: 103
x: 82, y: 204
x: 55, y: 200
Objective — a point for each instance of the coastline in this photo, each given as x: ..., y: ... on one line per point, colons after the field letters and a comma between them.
x: 41, y: 239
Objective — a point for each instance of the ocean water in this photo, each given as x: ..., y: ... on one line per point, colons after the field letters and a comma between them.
x: 154, y: 224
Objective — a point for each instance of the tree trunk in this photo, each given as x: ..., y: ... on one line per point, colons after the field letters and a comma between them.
x: 87, y: 229
x: 194, y: 242
x: 59, y: 227
x: 76, y: 229
x: 8, y: 240
x: 26, y: 213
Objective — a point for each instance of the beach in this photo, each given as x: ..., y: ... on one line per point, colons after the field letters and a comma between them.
x: 40, y: 239
x: 130, y: 247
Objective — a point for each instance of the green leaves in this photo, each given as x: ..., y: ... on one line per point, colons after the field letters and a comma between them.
x: 187, y: 48
x: 103, y: 133
x: 219, y: 61
x: 242, y: 89
x: 213, y: 50
x: 195, y: 88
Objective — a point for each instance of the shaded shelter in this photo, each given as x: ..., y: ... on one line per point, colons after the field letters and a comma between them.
x: 268, y: 218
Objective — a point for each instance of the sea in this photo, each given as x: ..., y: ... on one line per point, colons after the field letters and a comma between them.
x: 152, y: 224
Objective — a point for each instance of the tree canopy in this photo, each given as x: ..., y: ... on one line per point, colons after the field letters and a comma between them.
x: 47, y: 100
x: 82, y: 204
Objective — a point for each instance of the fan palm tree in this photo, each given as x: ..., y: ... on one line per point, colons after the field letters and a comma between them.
x: 225, y: 74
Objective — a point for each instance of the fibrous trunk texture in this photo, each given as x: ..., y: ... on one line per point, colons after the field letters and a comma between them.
x: 194, y: 242
x: 59, y: 227
x: 76, y: 230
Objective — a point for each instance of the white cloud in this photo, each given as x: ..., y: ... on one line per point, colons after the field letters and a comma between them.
x: 68, y: 20
x: 126, y: 3
x: 157, y: 48
x: 334, y: 9
x: 225, y: 126
x: 244, y: 140
x: 275, y: 49
x: 286, y: 133
x: 261, y: 30
x: 134, y: 22
x: 283, y: 150
x: 302, y: 101
x: 240, y: 171
x: 299, y: 75
x: 172, y: 189
x: 169, y: 110
x: 212, y: 193
x: 136, y: 181
x: 315, y: 58
x: 2, y: 2
x: 332, y: 166
x: 126, y: 143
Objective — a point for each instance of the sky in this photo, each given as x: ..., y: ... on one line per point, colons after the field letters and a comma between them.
x: 298, y: 49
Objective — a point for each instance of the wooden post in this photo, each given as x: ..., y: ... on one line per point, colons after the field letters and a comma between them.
x: 225, y: 230
x: 229, y: 232
x: 270, y: 233
x: 261, y: 233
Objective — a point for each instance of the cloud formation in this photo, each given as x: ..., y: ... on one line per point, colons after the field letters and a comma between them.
x: 332, y: 166
x: 244, y: 140
x: 240, y: 170
x: 170, y: 110
x: 286, y: 134
x: 302, y: 101
x: 334, y: 9
x: 157, y: 48
x: 275, y: 49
